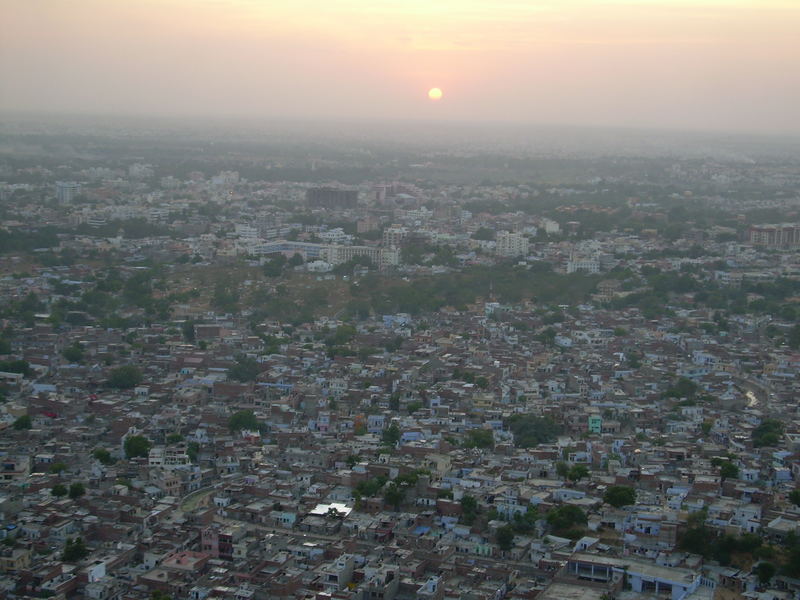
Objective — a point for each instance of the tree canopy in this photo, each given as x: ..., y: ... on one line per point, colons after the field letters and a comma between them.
x: 137, y: 445
x: 125, y: 377
x: 768, y: 433
x: 620, y: 495
x: 244, y: 369
x: 530, y: 430
x: 244, y: 419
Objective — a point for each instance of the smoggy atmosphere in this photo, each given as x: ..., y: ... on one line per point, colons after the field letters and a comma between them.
x: 715, y: 64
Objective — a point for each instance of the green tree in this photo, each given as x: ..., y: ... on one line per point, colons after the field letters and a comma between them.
x: 391, y: 435
x: 577, y: 472
x: 394, y: 495
x: 73, y: 353
x: 16, y: 366
x: 187, y: 328
x: 562, y: 469
x: 479, y: 438
x: 76, y: 490
x: 566, y: 517
x: 768, y: 433
x: 136, y: 445
x: 244, y: 369
x: 793, y: 339
x: 484, y: 234
x: 125, y: 377
x: 525, y: 523
x: 764, y: 571
x: 244, y: 419
x: 174, y: 438
x: 794, y: 497
x: 104, y: 456
x: 413, y: 407
x: 23, y: 422
x: 274, y: 266
x: 192, y: 450
x: 683, y: 388
x: 530, y: 431
x: 469, y: 509
x: 59, y: 490
x: 58, y: 467
x: 505, y: 537
x: 706, y: 426
x: 75, y: 550
x: 620, y: 495
x: 728, y: 470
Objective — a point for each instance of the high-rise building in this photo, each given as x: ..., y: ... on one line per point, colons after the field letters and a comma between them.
x: 393, y: 236
x: 783, y: 235
x: 511, y: 244
x: 66, y: 191
x: 327, y: 197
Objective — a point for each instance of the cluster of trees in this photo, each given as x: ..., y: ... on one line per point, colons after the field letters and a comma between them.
x: 74, y: 550
x: 510, y: 283
x: 73, y: 353
x: 25, y: 241
x: 125, y: 377
x: 104, y: 456
x: 479, y: 438
x: 22, y: 422
x: 137, y: 446
x: 727, y: 469
x: 522, y: 523
x: 76, y: 490
x: 682, y: 388
x: 469, y: 377
x: 768, y: 433
x: 244, y: 419
x: 391, y: 435
x: 244, y: 369
x: 529, y: 430
x: 619, y: 496
x: 744, y: 550
x: 469, y: 509
x: 428, y: 254
x: 16, y: 366
x: 567, y: 521
x: 574, y: 472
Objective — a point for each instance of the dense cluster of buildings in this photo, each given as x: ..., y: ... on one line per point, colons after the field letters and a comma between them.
x: 392, y: 470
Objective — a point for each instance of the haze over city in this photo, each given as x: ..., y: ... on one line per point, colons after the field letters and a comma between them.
x: 399, y: 300
x: 711, y: 64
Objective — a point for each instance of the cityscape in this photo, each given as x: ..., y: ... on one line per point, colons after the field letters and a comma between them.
x: 352, y: 344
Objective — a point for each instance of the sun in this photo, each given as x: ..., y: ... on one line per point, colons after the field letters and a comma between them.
x: 435, y: 94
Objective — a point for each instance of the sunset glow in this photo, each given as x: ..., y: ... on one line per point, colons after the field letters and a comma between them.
x: 435, y: 94
x: 674, y: 63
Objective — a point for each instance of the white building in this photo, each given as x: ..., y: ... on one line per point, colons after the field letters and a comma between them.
x: 66, y: 191
x: 511, y: 244
x: 589, y: 265
x: 393, y: 236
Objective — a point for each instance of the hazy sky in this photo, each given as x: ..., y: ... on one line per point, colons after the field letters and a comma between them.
x: 716, y: 64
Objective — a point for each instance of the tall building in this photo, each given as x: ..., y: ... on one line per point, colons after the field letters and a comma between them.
x: 393, y: 236
x: 511, y: 244
x: 327, y: 197
x: 66, y: 191
x: 783, y: 235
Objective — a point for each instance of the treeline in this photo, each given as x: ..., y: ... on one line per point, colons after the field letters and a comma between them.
x: 508, y: 283
x: 26, y: 241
